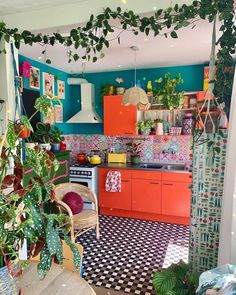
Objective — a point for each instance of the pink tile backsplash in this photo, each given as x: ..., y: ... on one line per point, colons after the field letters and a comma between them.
x: 161, y: 149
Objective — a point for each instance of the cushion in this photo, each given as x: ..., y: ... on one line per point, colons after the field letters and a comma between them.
x: 74, y: 201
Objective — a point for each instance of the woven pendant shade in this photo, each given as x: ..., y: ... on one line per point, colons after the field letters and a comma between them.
x: 134, y: 95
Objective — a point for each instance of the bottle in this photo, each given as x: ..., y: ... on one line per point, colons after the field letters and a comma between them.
x: 177, y: 121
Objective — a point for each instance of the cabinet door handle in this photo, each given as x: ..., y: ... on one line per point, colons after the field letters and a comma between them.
x: 129, y: 133
x: 154, y: 182
x: 167, y: 183
x: 124, y: 180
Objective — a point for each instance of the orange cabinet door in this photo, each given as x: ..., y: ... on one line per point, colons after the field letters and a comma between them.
x: 176, y: 198
x: 119, y: 119
x: 119, y: 200
x: 146, y: 195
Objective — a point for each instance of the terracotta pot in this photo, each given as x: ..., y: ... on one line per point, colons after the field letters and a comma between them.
x: 22, y: 131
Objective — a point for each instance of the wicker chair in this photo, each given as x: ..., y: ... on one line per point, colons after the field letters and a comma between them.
x: 87, y: 218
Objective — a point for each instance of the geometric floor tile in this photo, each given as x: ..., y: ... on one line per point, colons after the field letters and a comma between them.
x: 129, y: 251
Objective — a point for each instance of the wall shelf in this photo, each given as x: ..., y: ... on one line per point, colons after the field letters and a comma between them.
x: 161, y: 110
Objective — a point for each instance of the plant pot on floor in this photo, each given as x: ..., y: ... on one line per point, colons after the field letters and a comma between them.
x: 55, y: 147
x: 135, y: 159
x: 31, y: 145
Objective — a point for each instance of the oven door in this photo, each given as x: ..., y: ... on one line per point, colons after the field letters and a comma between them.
x: 88, y: 183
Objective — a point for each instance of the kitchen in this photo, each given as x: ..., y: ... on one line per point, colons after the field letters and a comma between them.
x: 136, y: 156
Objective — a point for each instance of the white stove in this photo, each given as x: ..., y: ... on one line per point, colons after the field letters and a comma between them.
x: 85, y: 174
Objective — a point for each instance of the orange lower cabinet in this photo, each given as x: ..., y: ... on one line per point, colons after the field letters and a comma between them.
x: 176, y: 198
x: 119, y: 200
x: 146, y: 195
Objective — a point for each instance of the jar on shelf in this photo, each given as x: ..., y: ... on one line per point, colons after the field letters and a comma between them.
x: 188, y: 124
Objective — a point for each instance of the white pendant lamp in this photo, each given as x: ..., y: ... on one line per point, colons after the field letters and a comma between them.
x: 135, y: 95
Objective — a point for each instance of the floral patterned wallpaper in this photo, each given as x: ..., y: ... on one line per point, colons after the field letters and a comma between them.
x: 161, y: 149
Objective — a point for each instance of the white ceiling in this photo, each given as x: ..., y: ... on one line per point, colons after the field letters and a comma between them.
x: 18, y: 6
x: 192, y: 47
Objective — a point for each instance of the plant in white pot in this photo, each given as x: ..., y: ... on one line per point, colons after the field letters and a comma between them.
x: 43, y: 135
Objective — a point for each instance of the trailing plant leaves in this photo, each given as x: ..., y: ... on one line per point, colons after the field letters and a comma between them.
x: 25, y: 121
x: 11, y: 136
x: 45, y: 263
x: 174, y: 34
x: 75, y: 252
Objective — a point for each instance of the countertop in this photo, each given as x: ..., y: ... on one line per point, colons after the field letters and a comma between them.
x: 130, y: 166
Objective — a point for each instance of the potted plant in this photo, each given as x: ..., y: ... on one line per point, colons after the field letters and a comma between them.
x: 120, y: 90
x: 175, y: 280
x: 107, y: 89
x: 43, y: 135
x: 21, y: 129
x: 145, y: 126
x: 57, y: 138
x: 166, y: 92
x: 133, y: 149
x: 23, y: 211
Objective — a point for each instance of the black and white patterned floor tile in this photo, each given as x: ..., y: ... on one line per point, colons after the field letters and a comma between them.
x: 129, y: 251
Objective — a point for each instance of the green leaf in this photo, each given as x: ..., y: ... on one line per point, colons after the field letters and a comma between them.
x: 45, y: 263
x: 95, y: 59
x: 174, y: 34
x: 25, y: 121
x: 74, y: 250
x: 48, y: 61
x: 53, y: 240
x: 164, y: 281
x: 11, y: 136
x: 7, y: 38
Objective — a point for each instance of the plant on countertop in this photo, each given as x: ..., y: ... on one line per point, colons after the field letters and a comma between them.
x: 56, y: 135
x: 134, y: 149
x: 23, y: 214
x: 145, y: 126
x: 178, y: 279
x: 167, y: 93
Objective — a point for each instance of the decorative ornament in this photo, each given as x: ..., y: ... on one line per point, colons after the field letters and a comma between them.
x: 25, y: 69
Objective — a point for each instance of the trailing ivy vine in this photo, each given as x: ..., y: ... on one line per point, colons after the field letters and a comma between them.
x: 94, y: 36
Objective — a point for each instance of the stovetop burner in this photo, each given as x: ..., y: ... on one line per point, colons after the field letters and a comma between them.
x: 85, y: 165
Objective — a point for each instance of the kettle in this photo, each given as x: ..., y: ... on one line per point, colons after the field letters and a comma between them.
x: 94, y: 160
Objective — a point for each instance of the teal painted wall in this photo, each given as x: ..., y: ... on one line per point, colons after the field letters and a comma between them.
x: 192, y: 75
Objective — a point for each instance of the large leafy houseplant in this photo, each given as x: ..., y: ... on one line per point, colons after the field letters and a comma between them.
x: 178, y: 279
x: 167, y: 93
x: 26, y: 206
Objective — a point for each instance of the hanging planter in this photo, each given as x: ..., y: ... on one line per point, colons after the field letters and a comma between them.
x: 23, y: 131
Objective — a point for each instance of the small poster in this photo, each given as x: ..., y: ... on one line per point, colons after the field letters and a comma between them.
x: 61, y: 89
x: 34, y: 79
x: 48, y: 84
x: 58, y: 111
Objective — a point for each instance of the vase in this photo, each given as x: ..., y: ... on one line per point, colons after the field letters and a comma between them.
x: 55, y: 147
x: 135, y: 159
x: 159, y: 130
x: 8, y: 285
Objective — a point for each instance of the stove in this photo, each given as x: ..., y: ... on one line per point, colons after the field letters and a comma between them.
x: 85, y: 174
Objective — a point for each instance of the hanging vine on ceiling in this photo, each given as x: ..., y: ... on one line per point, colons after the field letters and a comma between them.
x: 95, y: 35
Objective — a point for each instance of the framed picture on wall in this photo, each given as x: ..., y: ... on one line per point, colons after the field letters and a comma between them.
x: 61, y: 89
x: 58, y: 111
x: 34, y: 79
x: 48, y: 84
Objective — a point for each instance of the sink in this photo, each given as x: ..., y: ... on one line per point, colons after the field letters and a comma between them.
x: 151, y: 166
x: 173, y: 167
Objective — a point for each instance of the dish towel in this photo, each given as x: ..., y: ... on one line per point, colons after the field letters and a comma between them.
x: 113, y: 182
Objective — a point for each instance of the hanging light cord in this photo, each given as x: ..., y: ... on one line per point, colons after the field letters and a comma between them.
x: 135, y: 69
